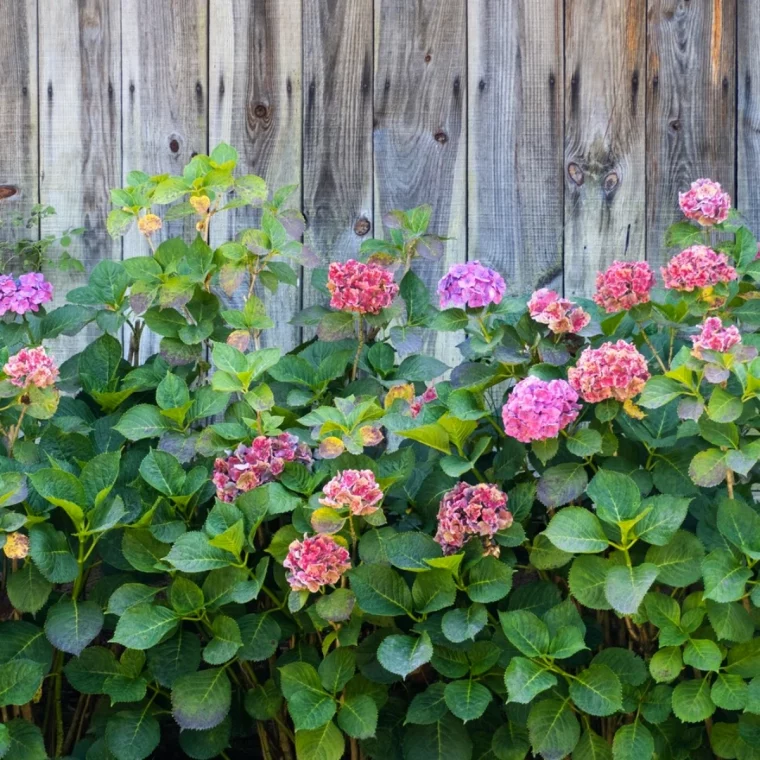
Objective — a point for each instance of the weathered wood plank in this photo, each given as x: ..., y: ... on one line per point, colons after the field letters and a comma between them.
x: 420, y: 142
x: 255, y: 73
x: 515, y: 135
x: 691, y: 92
x: 604, y: 137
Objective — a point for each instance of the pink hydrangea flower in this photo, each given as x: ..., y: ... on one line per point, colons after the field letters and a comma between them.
x: 431, y: 394
x: 27, y: 293
x: 470, y: 285
x: 614, y: 370
x: 261, y: 462
x: 315, y: 562
x: 623, y: 285
x: 705, y: 202
x: 697, y: 267
x: 538, y: 409
x: 466, y: 511
x: 714, y: 337
x: 361, y: 288
x: 31, y: 366
x: 561, y: 316
x: 356, y: 490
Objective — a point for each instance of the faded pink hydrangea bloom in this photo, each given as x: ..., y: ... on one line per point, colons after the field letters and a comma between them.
x: 623, y: 285
x: 538, y: 409
x: 431, y: 394
x: 697, y: 267
x: 31, y: 366
x: 315, y: 562
x: 705, y: 202
x: 361, y: 288
x: 261, y: 462
x: 356, y: 490
x: 559, y: 314
x: 614, y: 370
x: 467, y: 510
x: 714, y: 337
x: 27, y: 293
x: 471, y: 285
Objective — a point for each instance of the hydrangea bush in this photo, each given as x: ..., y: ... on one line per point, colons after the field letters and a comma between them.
x: 353, y: 549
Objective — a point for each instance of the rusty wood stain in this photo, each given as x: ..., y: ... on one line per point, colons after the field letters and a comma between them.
x: 716, y: 42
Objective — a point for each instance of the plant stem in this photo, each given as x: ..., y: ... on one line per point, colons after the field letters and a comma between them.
x: 360, y: 331
x: 651, y: 347
x: 730, y: 483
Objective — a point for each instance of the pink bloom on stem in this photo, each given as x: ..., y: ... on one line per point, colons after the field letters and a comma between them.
x: 561, y: 316
x: 697, y: 267
x: 356, y: 490
x: 538, y: 409
x: 27, y: 293
x: 714, y: 337
x: 261, y: 462
x: 31, y: 366
x: 361, y: 288
x: 614, y: 370
x: 470, y: 285
x: 430, y: 395
x: 315, y: 562
x: 623, y: 285
x: 467, y: 510
x: 705, y: 202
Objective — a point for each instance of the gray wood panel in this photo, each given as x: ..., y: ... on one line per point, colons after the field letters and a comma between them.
x: 748, y: 111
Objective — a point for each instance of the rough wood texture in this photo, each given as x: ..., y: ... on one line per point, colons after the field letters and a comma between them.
x: 748, y: 111
x: 255, y: 105
x: 691, y: 92
x: 604, y: 137
x: 515, y: 136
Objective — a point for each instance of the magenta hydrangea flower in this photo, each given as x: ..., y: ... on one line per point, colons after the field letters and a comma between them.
x: 467, y: 510
x: 315, y: 562
x: 697, y: 267
x: 355, y: 490
x: 361, y: 288
x: 705, y: 202
x: 714, y: 337
x: 470, y: 285
x: 31, y: 366
x: 27, y: 293
x: 430, y: 395
x: 559, y: 314
x: 538, y: 409
x: 614, y: 370
x: 623, y: 285
x: 261, y: 462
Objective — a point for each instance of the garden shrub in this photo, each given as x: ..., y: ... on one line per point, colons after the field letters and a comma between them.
x: 230, y: 550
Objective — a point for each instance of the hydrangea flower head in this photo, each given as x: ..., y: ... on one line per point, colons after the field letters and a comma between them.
x: 470, y: 285
x: 430, y: 395
x: 538, y: 409
x: 714, y: 337
x: 705, y: 202
x: 31, y: 366
x: 467, y: 510
x: 149, y: 224
x: 361, y: 288
x: 261, y: 462
x: 559, y: 314
x: 315, y: 562
x: 356, y: 490
x: 623, y: 285
x: 614, y: 370
x: 697, y: 267
x: 27, y: 293
x: 16, y: 546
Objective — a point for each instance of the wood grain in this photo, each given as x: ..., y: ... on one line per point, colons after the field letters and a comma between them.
x: 748, y: 112
x: 515, y: 137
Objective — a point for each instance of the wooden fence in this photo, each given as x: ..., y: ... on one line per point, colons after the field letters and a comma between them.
x: 550, y: 136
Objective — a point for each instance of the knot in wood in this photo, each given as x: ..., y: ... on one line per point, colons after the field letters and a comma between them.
x: 174, y: 145
x: 428, y: 58
x: 441, y: 137
x: 576, y: 173
x: 610, y: 182
x: 260, y: 111
x: 361, y: 226
x: 675, y: 124
x: 7, y: 191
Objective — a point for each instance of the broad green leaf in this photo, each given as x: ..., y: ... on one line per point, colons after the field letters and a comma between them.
x: 553, y: 728
x: 679, y: 562
x: 324, y: 743
x: 526, y: 632
x: 433, y: 590
x: 144, y: 625
x: 663, y: 516
x: 380, y: 590
x: 225, y: 643
x: 562, y: 484
x: 702, y: 654
x: 659, y: 391
x: 89, y: 672
x: 142, y: 421
x: 28, y: 590
x: 525, y: 679
x: 25, y: 741
x: 461, y: 624
x: 692, y: 702
x: 468, y: 699
x: 740, y: 524
x: 626, y: 586
x: 489, y: 581
x: 591, y: 746
x: 61, y: 489
x: 729, y: 692
x: 263, y: 701
x: 193, y: 553
x: 724, y: 576
x: 163, y: 471
x: 446, y: 739
x: 337, y: 669
x: 261, y: 634
x: 616, y: 496
x: 19, y: 681
x: 201, y: 700
x: 404, y: 654
x: 358, y: 716
x: 587, y: 579
x: 411, y: 549
x: 71, y: 625
x: 132, y: 734
x: 723, y: 407
x: 627, y: 665
x: 429, y: 706
x: 575, y: 529
x: 597, y: 691
x: 633, y: 742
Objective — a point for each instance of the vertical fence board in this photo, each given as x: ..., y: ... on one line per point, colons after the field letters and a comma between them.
x: 515, y: 133
x: 748, y: 112
x: 604, y: 137
x: 690, y: 106
x: 255, y: 106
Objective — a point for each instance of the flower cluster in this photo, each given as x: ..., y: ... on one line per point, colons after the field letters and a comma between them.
x: 261, y: 462
x: 16, y: 546
x: 149, y: 224
x: 705, y: 202
x: 470, y: 285
x: 315, y: 562
x: 614, y: 370
x: 559, y: 314
x: 697, y: 267
x: 430, y: 395
x: 623, y: 285
x: 355, y: 490
x: 714, y: 337
x: 31, y: 366
x: 468, y: 510
x: 27, y: 293
x: 538, y: 409
x: 361, y: 288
